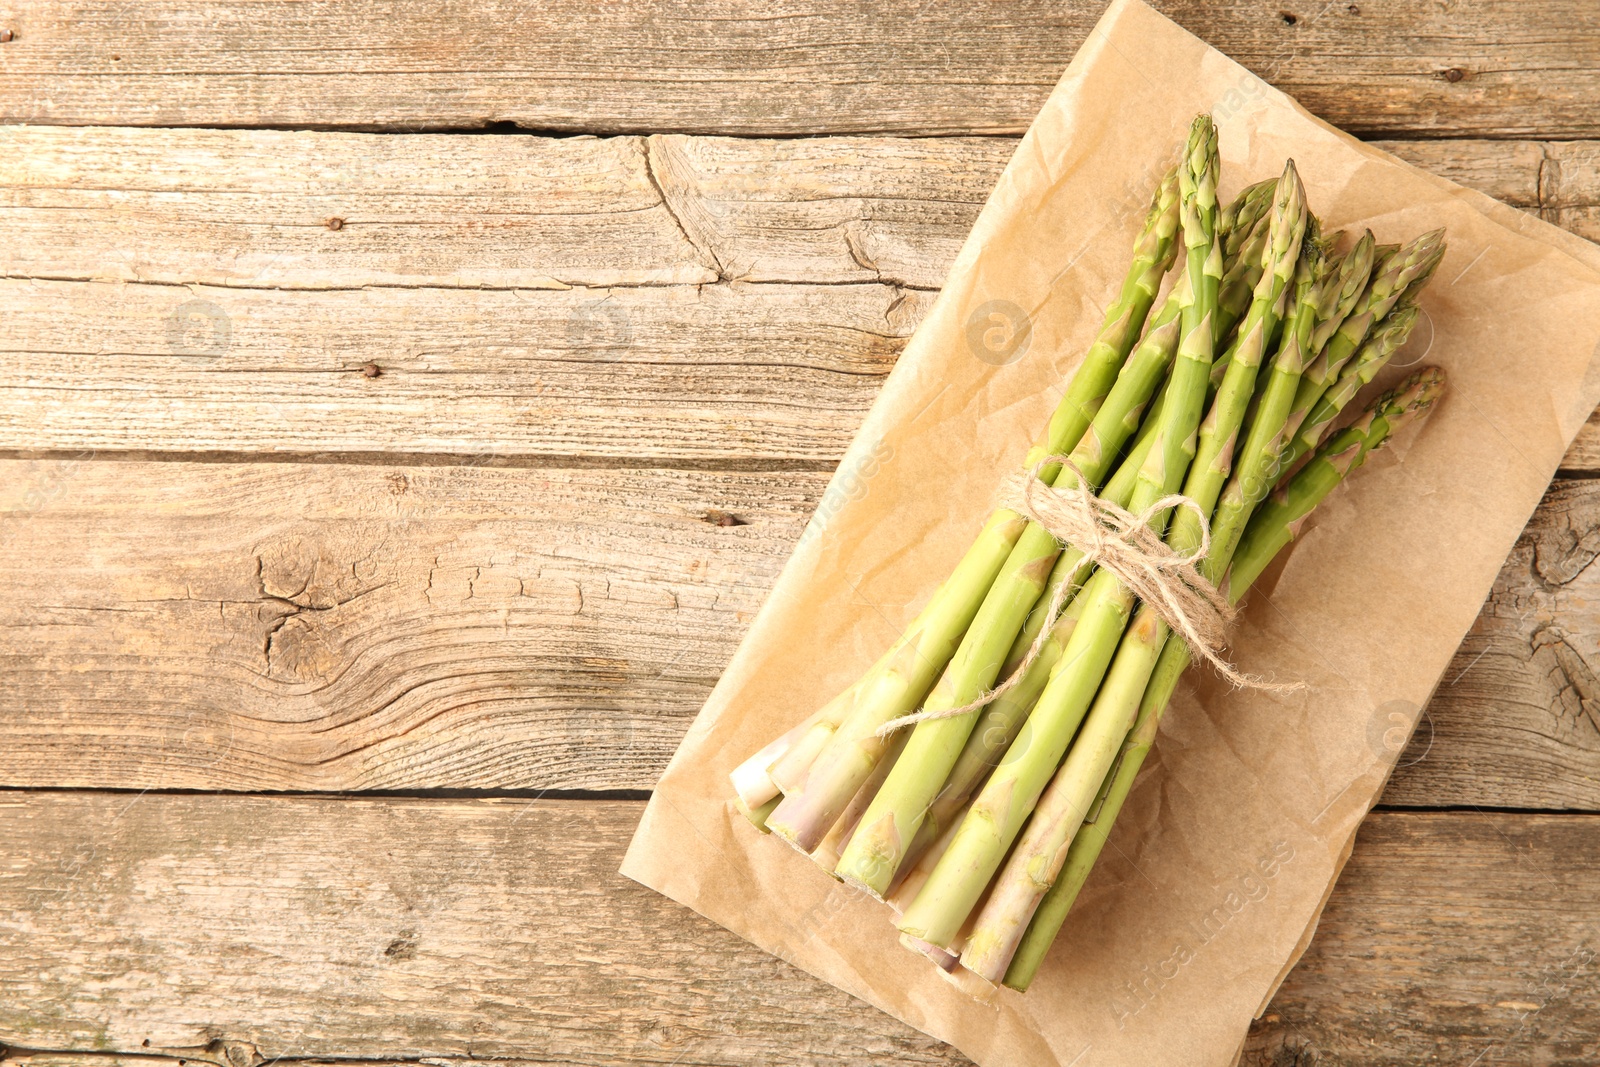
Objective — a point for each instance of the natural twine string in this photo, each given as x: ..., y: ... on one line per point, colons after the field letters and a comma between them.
x: 1122, y: 542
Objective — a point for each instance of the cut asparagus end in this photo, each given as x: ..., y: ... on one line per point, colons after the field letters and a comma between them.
x: 757, y: 814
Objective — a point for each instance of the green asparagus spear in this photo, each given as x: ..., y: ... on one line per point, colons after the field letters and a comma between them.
x: 1238, y: 220
x: 1326, y: 292
x: 1219, y: 432
x: 999, y: 722
x: 1241, y: 274
x: 1278, y: 520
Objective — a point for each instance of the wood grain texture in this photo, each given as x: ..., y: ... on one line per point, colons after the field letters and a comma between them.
x: 251, y: 208
x: 674, y: 298
x: 1527, y: 669
x: 369, y: 928
x: 731, y: 373
x: 537, y: 612
x: 921, y: 66
x: 1450, y: 939
x: 382, y: 929
x: 266, y: 626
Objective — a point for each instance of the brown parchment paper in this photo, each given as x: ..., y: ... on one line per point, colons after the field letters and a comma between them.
x: 1229, y: 845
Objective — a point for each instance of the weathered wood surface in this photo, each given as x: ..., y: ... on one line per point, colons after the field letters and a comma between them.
x: 1528, y: 669
x: 652, y: 374
x: 266, y: 626
x: 250, y: 208
x: 1452, y: 939
x: 521, y: 586
x: 844, y: 66
x: 669, y: 298
x: 252, y: 626
x: 365, y: 928
x: 498, y: 929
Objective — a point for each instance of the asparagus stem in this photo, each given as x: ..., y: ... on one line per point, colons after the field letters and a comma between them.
x: 913, y: 874
x: 999, y: 722
x: 996, y: 727
x: 1269, y: 531
x: 1026, y: 885
x: 789, y: 771
x: 1061, y: 808
x: 899, y: 681
x: 1219, y: 432
x: 996, y: 814
x: 1245, y: 263
x: 945, y: 961
x: 902, y: 677
x: 833, y: 843
x: 1162, y: 340
x: 754, y: 780
x: 1153, y: 254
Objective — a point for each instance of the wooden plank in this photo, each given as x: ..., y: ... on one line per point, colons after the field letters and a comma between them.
x: 1506, y: 170
x: 374, y: 929
x: 717, y: 298
x: 729, y: 373
x: 710, y: 371
x: 385, y: 928
x: 265, y: 626
x: 250, y: 208
x: 935, y: 66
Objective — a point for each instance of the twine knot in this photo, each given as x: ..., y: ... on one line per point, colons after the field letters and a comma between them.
x: 1124, y: 543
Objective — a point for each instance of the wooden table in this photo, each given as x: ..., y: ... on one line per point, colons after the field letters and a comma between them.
x: 405, y: 408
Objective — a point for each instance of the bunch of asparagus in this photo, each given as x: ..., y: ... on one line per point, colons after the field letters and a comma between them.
x: 980, y: 823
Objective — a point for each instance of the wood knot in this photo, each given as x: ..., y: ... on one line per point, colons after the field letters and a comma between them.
x: 237, y: 1053
x: 1453, y: 75
x: 371, y: 370
x: 723, y: 518
x: 1289, y: 18
x: 403, y: 947
x: 334, y: 222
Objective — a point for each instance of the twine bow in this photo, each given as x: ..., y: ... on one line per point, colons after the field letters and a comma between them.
x: 1122, y: 542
